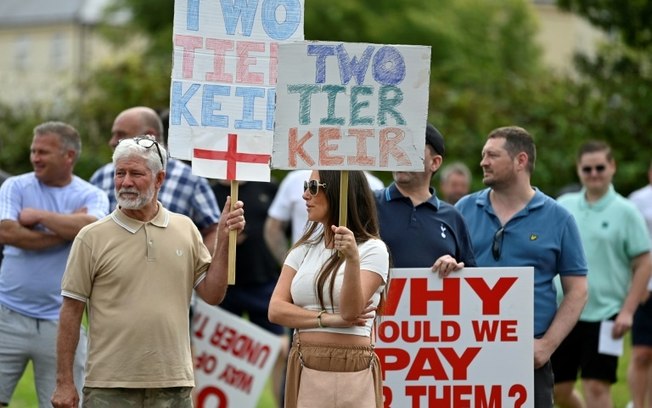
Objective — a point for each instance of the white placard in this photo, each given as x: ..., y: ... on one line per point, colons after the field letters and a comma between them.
x: 223, y: 83
x: 465, y: 340
x: 233, y: 358
x: 351, y: 106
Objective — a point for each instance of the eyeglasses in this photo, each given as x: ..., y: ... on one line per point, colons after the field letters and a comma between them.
x: 497, y: 246
x: 599, y: 169
x: 147, y: 143
x: 313, y: 186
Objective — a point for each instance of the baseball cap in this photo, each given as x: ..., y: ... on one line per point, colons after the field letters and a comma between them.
x: 435, y: 139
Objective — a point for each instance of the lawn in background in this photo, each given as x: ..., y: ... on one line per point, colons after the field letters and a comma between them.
x: 25, y: 395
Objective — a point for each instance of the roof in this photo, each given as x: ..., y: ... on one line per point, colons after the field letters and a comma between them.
x: 35, y: 12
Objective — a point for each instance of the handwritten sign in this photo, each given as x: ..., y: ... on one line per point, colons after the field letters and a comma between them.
x: 223, y: 83
x: 233, y: 358
x: 351, y: 106
x: 462, y: 341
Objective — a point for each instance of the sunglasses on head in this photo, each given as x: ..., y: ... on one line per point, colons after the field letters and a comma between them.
x: 599, y: 169
x: 147, y: 143
x: 313, y: 186
x: 497, y: 245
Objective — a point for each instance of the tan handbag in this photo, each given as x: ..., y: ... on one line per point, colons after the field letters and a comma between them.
x: 335, y: 389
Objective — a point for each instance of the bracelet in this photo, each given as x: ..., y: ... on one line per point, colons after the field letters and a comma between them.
x: 319, y: 323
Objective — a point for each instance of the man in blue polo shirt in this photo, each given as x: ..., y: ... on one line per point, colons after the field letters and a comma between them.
x: 419, y: 229
x: 514, y: 224
x: 618, y: 253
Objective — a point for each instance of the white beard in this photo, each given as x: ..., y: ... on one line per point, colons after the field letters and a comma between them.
x: 135, y: 203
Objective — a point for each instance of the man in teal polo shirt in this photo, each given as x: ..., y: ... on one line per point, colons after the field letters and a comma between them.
x: 617, y: 248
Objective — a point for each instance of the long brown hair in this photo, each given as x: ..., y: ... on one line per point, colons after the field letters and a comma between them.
x: 362, y: 220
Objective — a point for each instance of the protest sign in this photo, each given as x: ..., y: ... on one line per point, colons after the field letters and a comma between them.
x: 462, y: 341
x: 233, y: 358
x: 223, y: 83
x: 351, y: 106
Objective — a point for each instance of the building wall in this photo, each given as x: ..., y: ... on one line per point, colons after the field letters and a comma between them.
x: 562, y: 34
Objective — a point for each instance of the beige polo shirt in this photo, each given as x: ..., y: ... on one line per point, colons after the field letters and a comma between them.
x: 137, y: 279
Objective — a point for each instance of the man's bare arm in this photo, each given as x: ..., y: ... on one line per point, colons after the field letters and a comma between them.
x: 70, y: 316
x: 14, y: 234
x: 575, y: 296
x: 64, y: 225
x: 275, y: 238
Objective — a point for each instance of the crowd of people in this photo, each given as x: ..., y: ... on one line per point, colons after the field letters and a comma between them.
x: 135, y: 244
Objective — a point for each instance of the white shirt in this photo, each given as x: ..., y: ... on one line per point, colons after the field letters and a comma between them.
x: 642, y: 199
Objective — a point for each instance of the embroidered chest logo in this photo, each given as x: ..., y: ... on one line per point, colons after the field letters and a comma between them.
x: 534, y: 237
x: 179, y: 252
x: 443, y: 231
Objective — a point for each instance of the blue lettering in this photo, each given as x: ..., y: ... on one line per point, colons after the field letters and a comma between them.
x: 192, y: 18
x: 179, y: 104
x: 210, y: 105
x: 353, y: 67
x: 271, y: 99
x: 233, y: 10
x: 389, y: 66
x: 249, y: 95
x: 321, y: 51
x: 281, y: 30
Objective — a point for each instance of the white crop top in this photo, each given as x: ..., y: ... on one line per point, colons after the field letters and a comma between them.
x: 308, y: 259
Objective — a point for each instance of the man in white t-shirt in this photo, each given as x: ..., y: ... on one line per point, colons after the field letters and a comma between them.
x: 288, y: 208
x: 639, y: 373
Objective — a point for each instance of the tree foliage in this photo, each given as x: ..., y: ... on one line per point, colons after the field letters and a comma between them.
x: 485, y: 72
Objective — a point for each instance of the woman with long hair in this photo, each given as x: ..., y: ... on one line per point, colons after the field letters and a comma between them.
x: 331, y: 284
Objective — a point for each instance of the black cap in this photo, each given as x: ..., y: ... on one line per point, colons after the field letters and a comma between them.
x: 435, y: 139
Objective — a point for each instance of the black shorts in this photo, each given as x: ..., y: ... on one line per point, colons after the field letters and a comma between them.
x: 579, y: 353
x: 642, y: 327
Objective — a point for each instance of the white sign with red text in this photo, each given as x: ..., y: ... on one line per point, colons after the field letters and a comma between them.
x: 233, y: 358
x: 462, y: 341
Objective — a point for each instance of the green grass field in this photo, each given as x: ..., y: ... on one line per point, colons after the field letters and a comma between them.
x: 25, y: 395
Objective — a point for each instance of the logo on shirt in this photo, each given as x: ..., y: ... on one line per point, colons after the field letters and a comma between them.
x: 443, y: 231
x: 179, y: 252
x: 533, y: 237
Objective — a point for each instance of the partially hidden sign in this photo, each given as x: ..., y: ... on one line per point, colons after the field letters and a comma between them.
x: 462, y: 341
x: 233, y: 358
x: 223, y: 83
x: 351, y: 106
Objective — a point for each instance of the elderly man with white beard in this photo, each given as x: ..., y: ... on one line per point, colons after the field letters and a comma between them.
x: 135, y: 271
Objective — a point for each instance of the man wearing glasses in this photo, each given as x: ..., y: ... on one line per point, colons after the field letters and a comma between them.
x: 182, y: 192
x: 513, y: 224
x: 617, y: 249
x: 135, y: 272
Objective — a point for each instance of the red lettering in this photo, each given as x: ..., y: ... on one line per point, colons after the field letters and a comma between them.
x: 490, y: 297
x: 219, y: 47
x: 189, y: 43
x: 361, y: 158
x: 449, y: 295
x: 390, y: 138
x: 243, y: 75
x: 392, y: 359
x: 207, y: 393
x: 295, y: 148
x: 326, y: 134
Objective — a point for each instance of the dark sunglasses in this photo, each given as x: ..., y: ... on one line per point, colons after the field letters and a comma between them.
x: 599, y: 169
x: 147, y: 143
x: 313, y: 186
x: 497, y: 245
